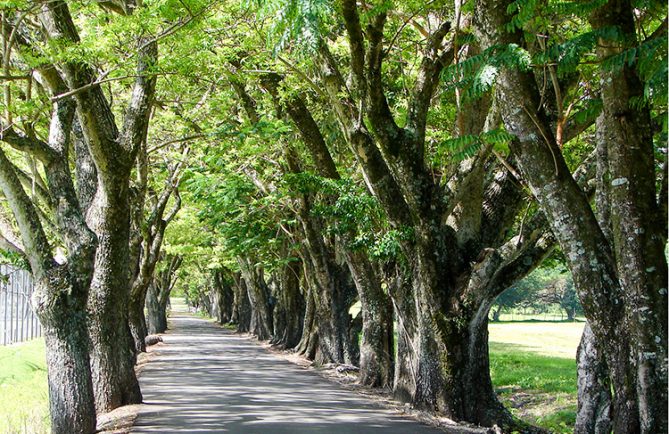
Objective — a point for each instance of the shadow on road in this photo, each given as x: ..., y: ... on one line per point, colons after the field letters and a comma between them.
x: 209, y: 380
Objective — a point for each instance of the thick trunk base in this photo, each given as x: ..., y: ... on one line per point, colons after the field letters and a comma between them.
x: 448, y: 372
x: 113, y: 361
x: 594, y: 389
x: 71, y: 397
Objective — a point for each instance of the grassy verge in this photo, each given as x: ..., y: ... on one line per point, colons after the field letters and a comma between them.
x: 533, y: 369
x: 24, y: 403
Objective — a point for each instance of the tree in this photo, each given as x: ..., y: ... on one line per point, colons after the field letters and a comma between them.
x: 61, y: 290
x: 603, y: 266
x: 99, y: 198
x: 158, y: 294
x: 148, y: 238
x: 113, y: 151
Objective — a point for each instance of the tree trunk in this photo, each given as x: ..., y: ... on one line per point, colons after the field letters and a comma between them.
x: 205, y: 302
x: 112, y: 357
x: 594, y: 388
x: 376, y: 347
x: 332, y: 290
x: 156, y: 311
x: 571, y: 314
x: 137, y: 322
x: 241, y: 314
x: 71, y: 397
x: 308, y: 345
x: 589, y: 255
x: 333, y: 297
x: 258, y: 294
x: 638, y: 228
x: 215, y: 298
x: 442, y: 359
x: 221, y: 298
x: 290, y: 308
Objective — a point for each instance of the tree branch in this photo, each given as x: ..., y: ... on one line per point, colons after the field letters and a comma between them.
x: 27, y: 144
x: 136, y: 122
x: 36, y: 244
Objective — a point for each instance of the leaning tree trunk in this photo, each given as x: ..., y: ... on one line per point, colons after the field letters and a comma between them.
x: 590, y: 256
x: 137, y: 321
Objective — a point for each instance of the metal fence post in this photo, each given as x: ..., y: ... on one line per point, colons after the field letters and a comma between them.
x: 18, y: 322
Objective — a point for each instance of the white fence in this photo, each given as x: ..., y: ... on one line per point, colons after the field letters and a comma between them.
x: 18, y: 323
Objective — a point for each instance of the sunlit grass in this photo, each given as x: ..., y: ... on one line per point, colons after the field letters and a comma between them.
x: 24, y: 403
x: 533, y: 368
x: 558, y: 339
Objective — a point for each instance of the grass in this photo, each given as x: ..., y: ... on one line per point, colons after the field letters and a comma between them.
x: 533, y: 368
x: 24, y: 403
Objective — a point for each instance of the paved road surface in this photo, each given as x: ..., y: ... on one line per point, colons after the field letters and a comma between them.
x: 209, y: 380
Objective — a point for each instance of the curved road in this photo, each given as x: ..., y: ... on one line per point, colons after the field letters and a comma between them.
x: 205, y: 379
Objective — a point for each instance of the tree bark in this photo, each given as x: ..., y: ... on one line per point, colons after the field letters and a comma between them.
x: 137, y: 322
x: 289, y: 310
x: 258, y: 294
x: 241, y: 314
x: 112, y: 356
x: 594, y: 388
x: 156, y: 308
x: 333, y: 294
x: 221, y: 297
x: 308, y: 345
x: 376, y: 347
x: 638, y: 233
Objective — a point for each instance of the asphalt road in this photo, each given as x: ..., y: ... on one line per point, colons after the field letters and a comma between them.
x: 205, y: 379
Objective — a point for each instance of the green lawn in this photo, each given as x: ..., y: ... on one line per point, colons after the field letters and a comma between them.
x: 24, y: 406
x: 533, y: 368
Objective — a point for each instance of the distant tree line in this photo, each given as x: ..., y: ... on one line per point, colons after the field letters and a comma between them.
x: 541, y: 291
